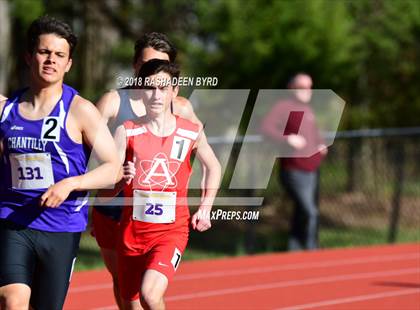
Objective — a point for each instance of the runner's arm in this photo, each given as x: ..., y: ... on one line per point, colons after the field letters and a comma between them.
x: 128, y: 170
x: 108, y: 106
x: 107, y: 173
x: 208, y: 159
x: 183, y: 108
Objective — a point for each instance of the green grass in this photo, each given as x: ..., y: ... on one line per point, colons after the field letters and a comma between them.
x: 89, y: 256
x: 337, y: 237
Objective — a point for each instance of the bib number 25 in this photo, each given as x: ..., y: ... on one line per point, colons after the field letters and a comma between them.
x: 154, y: 209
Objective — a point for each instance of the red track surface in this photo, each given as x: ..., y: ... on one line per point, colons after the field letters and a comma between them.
x: 386, y: 277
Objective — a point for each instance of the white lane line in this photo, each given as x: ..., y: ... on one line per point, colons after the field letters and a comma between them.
x: 346, y: 300
x: 260, y: 287
x: 261, y: 270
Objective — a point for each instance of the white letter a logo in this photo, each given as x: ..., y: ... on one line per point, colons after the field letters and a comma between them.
x: 159, y: 162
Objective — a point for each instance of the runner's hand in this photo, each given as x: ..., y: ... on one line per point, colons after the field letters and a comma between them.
x: 201, y: 220
x: 57, y: 193
x: 129, y: 171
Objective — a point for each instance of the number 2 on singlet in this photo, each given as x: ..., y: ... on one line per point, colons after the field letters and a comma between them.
x: 51, y: 129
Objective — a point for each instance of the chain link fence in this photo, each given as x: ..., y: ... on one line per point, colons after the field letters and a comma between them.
x: 371, y: 187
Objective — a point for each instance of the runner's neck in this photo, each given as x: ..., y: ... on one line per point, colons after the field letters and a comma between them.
x: 162, y: 125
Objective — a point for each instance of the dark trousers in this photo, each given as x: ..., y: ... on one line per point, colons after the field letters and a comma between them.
x: 302, y: 187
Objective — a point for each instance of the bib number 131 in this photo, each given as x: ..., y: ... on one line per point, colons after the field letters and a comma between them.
x: 31, y: 170
x: 29, y: 173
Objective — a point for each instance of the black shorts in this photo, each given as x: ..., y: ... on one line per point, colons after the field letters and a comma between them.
x: 42, y: 260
